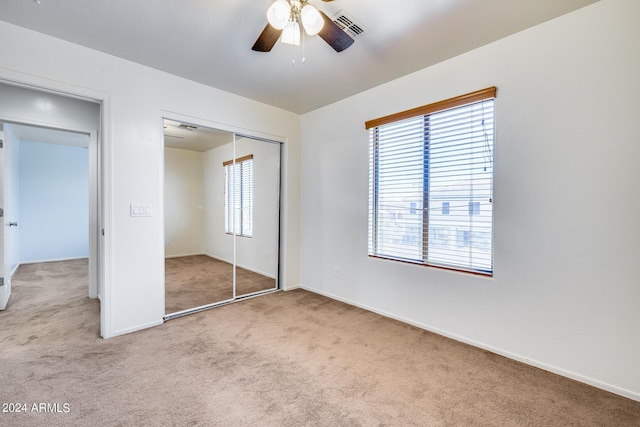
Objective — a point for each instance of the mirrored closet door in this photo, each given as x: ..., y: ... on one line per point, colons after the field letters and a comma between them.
x: 221, y: 217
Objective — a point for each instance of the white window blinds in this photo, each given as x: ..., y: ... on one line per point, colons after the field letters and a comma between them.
x: 238, y: 200
x: 431, y: 184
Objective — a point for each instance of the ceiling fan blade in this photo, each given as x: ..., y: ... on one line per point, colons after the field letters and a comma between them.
x: 267, y: 39
x: 332, y: 34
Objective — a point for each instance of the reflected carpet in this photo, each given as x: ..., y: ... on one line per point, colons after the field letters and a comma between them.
x: 192, y: 281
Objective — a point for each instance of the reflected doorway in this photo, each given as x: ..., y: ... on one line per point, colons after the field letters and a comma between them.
x: 221, y: 217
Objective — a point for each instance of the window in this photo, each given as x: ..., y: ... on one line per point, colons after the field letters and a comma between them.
x: 434, y: 163
x: 238, y: 196
x: 474, y: 208
x: 412, y: 208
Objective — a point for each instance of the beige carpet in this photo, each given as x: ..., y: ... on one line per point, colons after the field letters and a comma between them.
x: 193, y: 281
x: 284, y: 359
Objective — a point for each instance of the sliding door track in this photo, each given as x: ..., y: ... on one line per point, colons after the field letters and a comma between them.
x: 181, y: 313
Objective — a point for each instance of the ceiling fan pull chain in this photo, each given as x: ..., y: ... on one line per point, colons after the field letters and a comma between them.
x: 302, y: 36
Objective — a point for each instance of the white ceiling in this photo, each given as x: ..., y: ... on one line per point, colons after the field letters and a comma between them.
x: 49, y: 136
x: 210, y: 41
x: 194, y: 138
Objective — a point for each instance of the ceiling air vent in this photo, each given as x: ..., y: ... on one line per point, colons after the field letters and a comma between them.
x: 349, y: 24
x: 187, y: 127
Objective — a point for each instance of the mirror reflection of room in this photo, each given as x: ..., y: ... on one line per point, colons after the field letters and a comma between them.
x: 221, y: 215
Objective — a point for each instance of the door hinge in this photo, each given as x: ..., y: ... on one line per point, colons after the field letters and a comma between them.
x: 1, y: 143
x: 1, y: 212
x: 1, y: 281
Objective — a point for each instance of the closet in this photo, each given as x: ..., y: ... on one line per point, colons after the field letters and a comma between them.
x: 221, y: 217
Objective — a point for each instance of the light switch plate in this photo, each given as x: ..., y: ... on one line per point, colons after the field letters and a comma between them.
x: 140, y: 210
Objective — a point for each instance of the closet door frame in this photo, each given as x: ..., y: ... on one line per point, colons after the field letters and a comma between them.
x: 236, y: 134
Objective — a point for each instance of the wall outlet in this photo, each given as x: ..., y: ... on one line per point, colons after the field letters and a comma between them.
x: 336, y: 271
x: 169, y: 242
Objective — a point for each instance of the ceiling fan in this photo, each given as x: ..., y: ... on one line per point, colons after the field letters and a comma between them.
x: 285, y: 17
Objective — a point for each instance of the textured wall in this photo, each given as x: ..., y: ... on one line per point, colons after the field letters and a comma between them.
x: 184, y: 207
x: 565, y: 287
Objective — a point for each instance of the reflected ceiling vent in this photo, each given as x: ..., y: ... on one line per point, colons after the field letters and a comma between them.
x: 349, y: 24
x: 187, y: 127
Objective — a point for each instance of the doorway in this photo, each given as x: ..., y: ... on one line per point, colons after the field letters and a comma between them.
x: 221, y: 217
x: 51, y: 181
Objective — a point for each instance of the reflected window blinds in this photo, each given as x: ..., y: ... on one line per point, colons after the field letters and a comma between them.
x: 238, y: 200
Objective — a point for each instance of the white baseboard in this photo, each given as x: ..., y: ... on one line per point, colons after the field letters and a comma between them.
x: 15, y: 269
x: 262, y: 273
x: 52, y: 260
x: 183, y: 255
x: 554, y: 369
x: 134, y: 329
x: 270, y: 276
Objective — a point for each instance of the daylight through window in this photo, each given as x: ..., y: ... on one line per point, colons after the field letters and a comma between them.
x: 238, y: 196
x: 431, y: 184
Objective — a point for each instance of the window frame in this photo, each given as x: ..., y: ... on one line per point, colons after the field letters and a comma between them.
x: 374, y: 203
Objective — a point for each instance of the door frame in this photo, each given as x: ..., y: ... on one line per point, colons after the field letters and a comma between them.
x: 5, y: 231
x: 100, y: 169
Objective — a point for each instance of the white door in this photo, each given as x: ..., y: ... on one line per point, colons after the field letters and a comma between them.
x: 5, y: 268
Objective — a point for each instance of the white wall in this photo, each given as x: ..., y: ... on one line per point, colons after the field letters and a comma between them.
x: 53, y: 202
x: 135, y: 98
x: 566, y: 287
x: 184, y: 207
x: 258, y: 253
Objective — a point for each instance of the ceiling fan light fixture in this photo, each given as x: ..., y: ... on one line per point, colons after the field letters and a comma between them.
x: 287, y: 16
x: 311, y: 20
x: 278, y: 14
x: 291, y: 33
